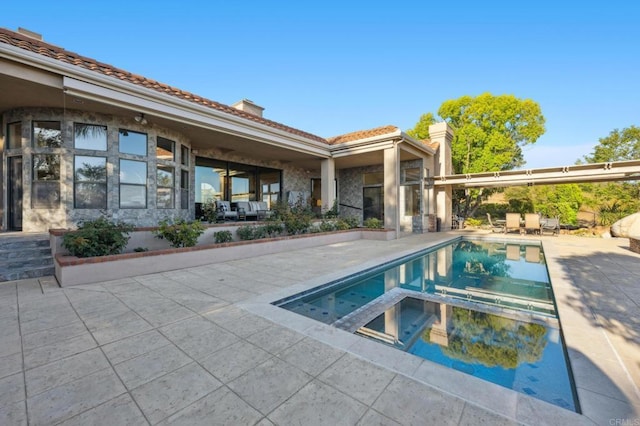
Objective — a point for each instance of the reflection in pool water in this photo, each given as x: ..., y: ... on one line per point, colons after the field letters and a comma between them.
x: 482, y: 307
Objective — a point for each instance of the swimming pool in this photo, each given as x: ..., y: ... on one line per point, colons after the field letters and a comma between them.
x: 483, y: 307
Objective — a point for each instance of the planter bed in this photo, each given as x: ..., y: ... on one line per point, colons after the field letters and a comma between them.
x: 71, y: 270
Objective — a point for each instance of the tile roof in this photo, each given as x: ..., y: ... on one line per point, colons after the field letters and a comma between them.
x: 45, y: 49
x: 362, y: 134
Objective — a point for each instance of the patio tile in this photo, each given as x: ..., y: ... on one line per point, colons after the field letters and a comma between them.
x: 226, y: 314
x: 163, y: 312
x: 357, y: 378
x: 247, y: 325
x: 14, y: 414
x: 47, y: 337
x: 144, y: 368
x: 235, y: 360
x: 473, y: 415
x: 58, y: 350
x: 118, y: 411
x: 411, y: 403
x: 311, y: 356
x: 198, y: 337
x: 70, y: 399
x: 309, y: 406
x: 533, y: 411
x: 133, y: 346
x: 47, y: 322
x: 275, y: 339
x: 373, y: 418
x: 10, y: 364
x: 168, y: 394
x: 220, y: 407
x: 11, y: 389
x: 270, y: 384
x: 66, y: 370
x: 10, y: 344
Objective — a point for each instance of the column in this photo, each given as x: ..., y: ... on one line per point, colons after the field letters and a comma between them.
x: 327, y: 187
x: 391, y: 182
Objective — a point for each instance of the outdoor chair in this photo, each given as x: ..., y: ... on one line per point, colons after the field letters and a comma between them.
x: 224, y: 211
x: 512, y: 222
x: 497, y: 227
x: 550, y: 224
x: 532, y: 223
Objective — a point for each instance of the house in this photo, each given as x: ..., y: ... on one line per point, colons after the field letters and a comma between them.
x: 80, y: 138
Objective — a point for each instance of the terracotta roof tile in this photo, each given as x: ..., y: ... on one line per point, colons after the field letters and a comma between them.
x: 430, y: 144
x: 361, y: 134
x: 45, y: 49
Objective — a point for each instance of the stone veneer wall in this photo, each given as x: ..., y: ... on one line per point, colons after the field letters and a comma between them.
x: 634, y: 244
x: 66, y: 216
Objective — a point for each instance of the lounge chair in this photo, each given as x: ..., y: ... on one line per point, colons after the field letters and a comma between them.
x: 224, y: 211
x: 532, y: 223
x: 550, y: 224
x: 254, y: 210
x: 497, y: 227
x: 512, y: 222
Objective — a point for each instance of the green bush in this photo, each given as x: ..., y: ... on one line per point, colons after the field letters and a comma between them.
x: 273, y: 228
x: 326, y: 226
x: 474, y: 223
x: 209, y: 211
x: 246, y: 232
x: 373, y: 223
x: 179, y: 233
x: 99, y: 237
x: 342, y: 225
x: 351, y: 221
x: 140, y: 249
x: 223, y: 237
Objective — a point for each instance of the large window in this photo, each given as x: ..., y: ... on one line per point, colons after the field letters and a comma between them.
x: 184, y: 189
x: 133, y: 142
x: 165, y: 149
x: 47, y: 134
x: 133, y: 184
x: 89, y: 136
x: 14, y: 135
x: 373, y: 179
x: 46, y: 181
x: 90, y: 182
x: 165, y: 185
x: 222, y: 180
x: 411, y: 199
x: 184, y: 155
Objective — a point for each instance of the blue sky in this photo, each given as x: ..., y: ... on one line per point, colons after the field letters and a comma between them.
x: 334, y: 67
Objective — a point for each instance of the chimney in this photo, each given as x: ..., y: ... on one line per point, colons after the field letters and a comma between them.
x: 30, y: 34
x: 247, y: 106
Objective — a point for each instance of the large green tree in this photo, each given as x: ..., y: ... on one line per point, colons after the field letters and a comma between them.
x: 490, y: 132
x: 614, y: 200
x: 620, y: 145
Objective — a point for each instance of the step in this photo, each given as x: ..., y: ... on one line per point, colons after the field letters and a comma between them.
x: 19, y: 240
x: 25, y: 262
x: 24, y: 253
x: 20, y: 274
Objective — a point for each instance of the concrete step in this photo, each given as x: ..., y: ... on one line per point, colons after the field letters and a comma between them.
x: 25, y: 256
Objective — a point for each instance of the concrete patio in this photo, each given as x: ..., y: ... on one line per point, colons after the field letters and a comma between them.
x: 204, y: 346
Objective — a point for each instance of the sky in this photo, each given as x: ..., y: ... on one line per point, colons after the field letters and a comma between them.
x: 333, y: 67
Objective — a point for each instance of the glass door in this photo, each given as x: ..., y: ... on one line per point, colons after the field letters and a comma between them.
x: 373, y: 203
x: 14, y: 195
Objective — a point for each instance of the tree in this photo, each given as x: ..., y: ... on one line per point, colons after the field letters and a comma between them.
x: 614, y: 200
x: 421, y: 129
x: 620, y: 145
x: 490, y: 132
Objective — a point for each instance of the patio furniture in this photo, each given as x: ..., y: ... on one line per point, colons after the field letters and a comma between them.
x: 224, y: 211
x: 550, y: 224
x: 532, y: 223
x: 254, y: 210
x: 457, y: 222
x: 512, y: 222
x: 498, y: 226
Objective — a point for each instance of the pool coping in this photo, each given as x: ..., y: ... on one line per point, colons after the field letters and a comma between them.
x: 506, y: 402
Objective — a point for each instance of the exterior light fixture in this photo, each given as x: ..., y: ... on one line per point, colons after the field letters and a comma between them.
x: 140, y: 119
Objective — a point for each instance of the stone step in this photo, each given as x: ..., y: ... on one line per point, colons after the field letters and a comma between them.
x: 21, y: 274
x: 24, y: 255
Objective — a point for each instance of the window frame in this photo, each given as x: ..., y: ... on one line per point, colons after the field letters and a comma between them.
x: 77, y: 182
x: 125, y: 133
x: 172, y: 171
x: 75, y: 136
x: 122, y: 184
x: 34, y: 139
x: 37, y: 183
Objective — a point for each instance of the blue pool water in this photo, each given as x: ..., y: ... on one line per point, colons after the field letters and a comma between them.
x: 483, y: 307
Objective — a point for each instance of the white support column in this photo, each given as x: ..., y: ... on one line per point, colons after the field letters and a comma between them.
x: 391, y: 182
x: 328, y: 178
x: 443, y: 134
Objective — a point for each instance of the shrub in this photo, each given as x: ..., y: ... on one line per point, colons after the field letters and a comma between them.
x: 209, y: 211
x: 99, y: 237
x: 342, y: 225
x: 351, y: 221
x: 223, y: 237
x: 326, y: 226
x: 140, y: 249
x: 473, y: 222
x: 246, y: 232
x: 273, y: 228
x: 373, y: 223
x: 180, y: 233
